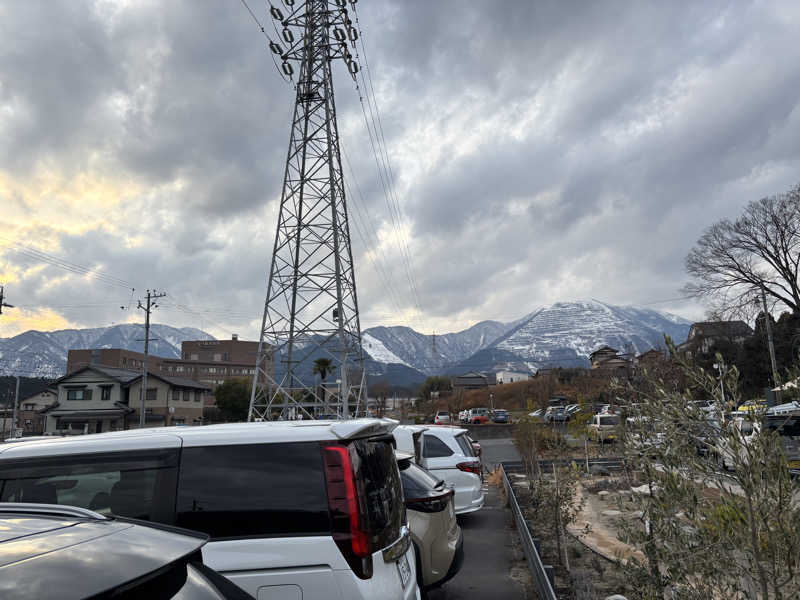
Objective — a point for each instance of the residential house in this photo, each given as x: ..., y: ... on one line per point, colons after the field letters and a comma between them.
x: 97, y: 398
x: 29, y: 411
x: 208, y: 362
x: 511, y: 377
x: 471, y: 381
x: 91, y: 399
x: 705, y: 335
x: 608, y: 359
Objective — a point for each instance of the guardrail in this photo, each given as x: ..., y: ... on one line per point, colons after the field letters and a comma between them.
x: 611, y: 463
x: 538, y: 570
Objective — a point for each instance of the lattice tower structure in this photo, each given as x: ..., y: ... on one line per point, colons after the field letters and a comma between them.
x: 311, y: 308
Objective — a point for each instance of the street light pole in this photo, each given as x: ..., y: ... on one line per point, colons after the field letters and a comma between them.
x: 719, y: 367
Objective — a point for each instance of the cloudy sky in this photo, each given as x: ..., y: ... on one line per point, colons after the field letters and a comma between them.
x: 542, y: 151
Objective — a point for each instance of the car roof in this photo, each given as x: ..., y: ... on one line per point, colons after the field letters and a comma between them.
x: 80, y: 555
x: 266, y: 432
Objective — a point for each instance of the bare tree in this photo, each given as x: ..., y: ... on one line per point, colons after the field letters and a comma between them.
x: 733, y: 260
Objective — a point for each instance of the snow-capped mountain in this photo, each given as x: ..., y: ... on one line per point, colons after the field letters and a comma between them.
x: 44, y: 353
x: 429, y: 353
x: 566, y: 333
x: 562, y: 334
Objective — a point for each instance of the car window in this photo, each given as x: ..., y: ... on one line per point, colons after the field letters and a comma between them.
x: 382, y: 490
x: 417, y: 482
x: 139, y: 485
x: 435, y: 448
x: 463, y: 443
x: 609, y: 420
x: 252, y: 490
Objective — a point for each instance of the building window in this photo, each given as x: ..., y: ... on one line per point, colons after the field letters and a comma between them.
x: 176, y: 395
x: 105, y: 392
x: 179, y: 368
x: 197, y: 396
x: 76, y: 394
x: 30, y: 407
x: 152, y: 394
x: 212, y: 369
x: 186, y: 396
x: 193, y: 357
x: 217, y: 357
x: 178, y: 421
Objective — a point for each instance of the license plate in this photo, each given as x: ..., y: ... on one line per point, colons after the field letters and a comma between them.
x: 404, y: 569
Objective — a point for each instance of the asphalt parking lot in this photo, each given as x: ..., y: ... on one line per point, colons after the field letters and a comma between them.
x: 490, y: 556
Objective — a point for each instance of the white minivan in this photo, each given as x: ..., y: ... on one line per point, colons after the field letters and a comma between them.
x: 447, y: 453
x: 294, y: 509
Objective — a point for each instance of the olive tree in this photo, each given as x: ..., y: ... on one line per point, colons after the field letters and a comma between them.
x: 718, y: 507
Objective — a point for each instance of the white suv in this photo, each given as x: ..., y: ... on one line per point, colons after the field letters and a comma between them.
x: 447, y: 453
x: 294, y: 509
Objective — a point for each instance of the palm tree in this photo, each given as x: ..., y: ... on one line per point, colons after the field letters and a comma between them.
x: 323, y: 366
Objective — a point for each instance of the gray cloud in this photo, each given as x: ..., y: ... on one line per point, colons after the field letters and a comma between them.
x: 542, y: 151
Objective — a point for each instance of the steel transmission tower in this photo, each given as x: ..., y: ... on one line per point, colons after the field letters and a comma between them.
x: 311, y: 309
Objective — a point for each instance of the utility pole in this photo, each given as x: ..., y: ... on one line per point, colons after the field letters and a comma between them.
x: 147, y: 308
x: 2, y: 302
x: 311, y: 308
x: 771, y: 344
x: 14, y: 411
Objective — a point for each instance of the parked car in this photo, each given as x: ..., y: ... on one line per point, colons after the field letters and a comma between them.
x: 437, y: 538
x: 303, y: 508
x: 753, y: 406
x: 603, y: 427
x: 572, y: 408
x: 500, y: 415
x: 538, y: 413
x: 442, y: 418
x: 478, y: 416
x: 72, y: 553
x: 448, y: 454
x: 463, y: 415
x: 556, y: 414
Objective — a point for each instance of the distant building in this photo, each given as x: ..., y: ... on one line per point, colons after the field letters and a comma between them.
x: 95, y: 398
x: 471, y: 381
x: 705, y: 335
x: 511, y: 376
x: 609, y: 359
x: 208, y: 362
x: 29, y: 411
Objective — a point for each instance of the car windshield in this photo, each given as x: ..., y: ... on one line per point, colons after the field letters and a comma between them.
x: 610, y: 420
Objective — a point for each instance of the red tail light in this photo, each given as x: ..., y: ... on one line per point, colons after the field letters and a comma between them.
x: 431, y: 504
x: 347, y: 521
x: 470, y: 467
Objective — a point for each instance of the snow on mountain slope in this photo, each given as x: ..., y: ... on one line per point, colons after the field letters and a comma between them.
x: 565, y: 333
x: 428, y: 353
x: 375, y: 348
x: 44, y: 353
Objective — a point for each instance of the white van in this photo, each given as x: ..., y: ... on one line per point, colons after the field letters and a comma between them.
x: 294, y: 509
x: 446, y: 452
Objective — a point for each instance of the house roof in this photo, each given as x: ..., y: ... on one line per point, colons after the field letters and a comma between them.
x: 722, y: 329
x: 180, y: 381
x: 127, y: 377
x: 121, y: 375
x: 604, y: 349
x: 473, y: 374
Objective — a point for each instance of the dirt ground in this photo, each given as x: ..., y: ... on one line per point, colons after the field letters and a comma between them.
x: 592, y: 575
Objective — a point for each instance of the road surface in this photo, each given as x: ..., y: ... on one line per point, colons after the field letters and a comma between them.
x: 491, y: 551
